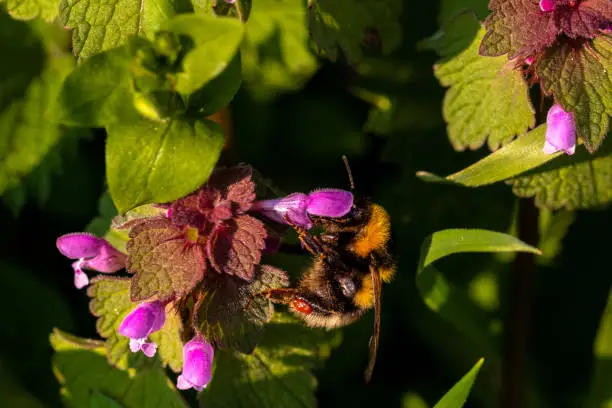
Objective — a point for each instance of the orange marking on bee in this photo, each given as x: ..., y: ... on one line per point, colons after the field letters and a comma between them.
x: 374, y: 234
x: 301, y: 306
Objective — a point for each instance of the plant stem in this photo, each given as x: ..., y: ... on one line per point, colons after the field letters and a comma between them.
x: 238, y: 8
x: 519, y: 317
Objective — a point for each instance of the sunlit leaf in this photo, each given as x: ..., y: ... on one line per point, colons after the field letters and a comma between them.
x: 572, y: 182
x: 152, y: 162
x: 100, y: 25
x: 457, y: 396
x: 441, y: 295
x: 28, y: 9
x: 111, y: 303
x: 522, y: 155
x: 277, y: 373
x: 98, y: 91
x: 215, y: 42
x: 488, y: 99
x: 275, y: 53
x: 82, y: 369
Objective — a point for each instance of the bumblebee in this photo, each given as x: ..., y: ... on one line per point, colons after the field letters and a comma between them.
x: 351, y: 259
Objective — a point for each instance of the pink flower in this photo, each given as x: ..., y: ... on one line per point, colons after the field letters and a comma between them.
x: 297, y: 207
x: 560, y: 131
x: 145, y: 319
x: 197, y: 364
x: 92, y: 253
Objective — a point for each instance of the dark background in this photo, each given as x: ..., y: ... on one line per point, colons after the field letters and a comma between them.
x: 297, y: 141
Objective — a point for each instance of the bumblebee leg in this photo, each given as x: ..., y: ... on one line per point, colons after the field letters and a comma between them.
x: 285, y: 296
x: 311, y: 243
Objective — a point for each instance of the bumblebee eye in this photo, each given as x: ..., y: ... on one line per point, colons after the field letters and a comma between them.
x: 301, y: 306
x: 347, y: 286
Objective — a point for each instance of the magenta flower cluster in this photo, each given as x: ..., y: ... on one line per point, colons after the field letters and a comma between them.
x: 96, y: 254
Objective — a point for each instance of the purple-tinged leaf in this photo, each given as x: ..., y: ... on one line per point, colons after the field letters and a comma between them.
x: 521, y: 28
x: 580, y: 79
x: 165, y: 263
x: 235, y: 248
x: 223, y: 315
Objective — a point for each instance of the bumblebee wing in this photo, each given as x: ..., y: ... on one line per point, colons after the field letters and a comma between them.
x: 377, y: 288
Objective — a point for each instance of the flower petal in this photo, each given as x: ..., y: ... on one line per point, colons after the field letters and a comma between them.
x: 143, y: 320
x: 136, y: 344
x: 79, y: 245
x: 329, y: 202
x: 149, y: 349
x: 80, y: 278
x: 292, y: 206
x: 107, y: 260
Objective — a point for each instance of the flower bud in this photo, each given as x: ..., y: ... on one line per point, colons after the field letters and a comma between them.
x: 197, y: 364
x: 560, y: 131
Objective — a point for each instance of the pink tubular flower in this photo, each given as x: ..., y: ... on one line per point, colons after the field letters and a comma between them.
x: 145, y: 319
x: 197, y: 364
x: 298, y: 206
x: 560, y: 131
x: 92, y: 253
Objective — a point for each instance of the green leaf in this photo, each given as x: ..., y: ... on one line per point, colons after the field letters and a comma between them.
x: 277, y: 373
x: 99, y: 400
x: 275, y: 52
x: 215, y: 42
x: 516, y: 158
x: 168, y: 340
x: 572, y: 182
x: 218, y: 92
x: 580, y: 79
x: 28, y: 129
x: 553, y: 226
x: 345, y: 26
x: 81, y: 367
x: 152, y: 162
x: 30, y: 9
x: 438, y: 293
x: 18, y: 42
x: 96, y: 92
x: 600, y: 393
x: 100, y: 25
x: 488, y: 100
x: 230, y: 316
x: 457, y: 396
x: 111, y: 303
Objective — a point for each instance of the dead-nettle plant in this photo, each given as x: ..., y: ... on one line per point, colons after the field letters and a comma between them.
x: 198, y: 258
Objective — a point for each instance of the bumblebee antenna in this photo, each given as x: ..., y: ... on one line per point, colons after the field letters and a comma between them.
x: 348, y: 170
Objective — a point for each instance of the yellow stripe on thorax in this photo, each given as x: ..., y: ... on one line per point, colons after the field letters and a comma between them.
x: 375, y: 234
